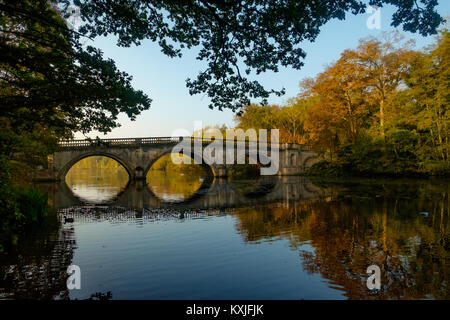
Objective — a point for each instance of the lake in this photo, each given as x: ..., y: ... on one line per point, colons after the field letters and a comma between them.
x: 176, y: 237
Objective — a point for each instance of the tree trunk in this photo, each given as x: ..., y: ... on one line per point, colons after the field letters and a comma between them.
x: 383, y: 134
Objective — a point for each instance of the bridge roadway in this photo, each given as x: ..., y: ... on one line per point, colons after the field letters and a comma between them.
x: 137, y: 155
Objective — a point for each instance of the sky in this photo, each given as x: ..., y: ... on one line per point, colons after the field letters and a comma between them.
x: 163, y: 79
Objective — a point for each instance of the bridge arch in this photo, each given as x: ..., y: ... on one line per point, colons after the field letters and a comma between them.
x: 310, y: 161
x: 207, y: 181
x: 209, y: 170
x: 73, y: 160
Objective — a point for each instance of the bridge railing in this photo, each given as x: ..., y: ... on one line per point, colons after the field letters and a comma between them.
x: 118, y: 141
x: 139, y: 141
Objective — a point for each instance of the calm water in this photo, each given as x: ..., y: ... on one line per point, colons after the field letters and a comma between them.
x: 273, y: 238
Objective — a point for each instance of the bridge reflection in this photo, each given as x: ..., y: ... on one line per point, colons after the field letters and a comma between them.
x: 217, y: 194
x: 118, y: 215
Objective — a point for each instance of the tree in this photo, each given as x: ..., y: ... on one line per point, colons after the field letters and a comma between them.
x: 51, y: 83
x: 209, y: 132
x: 48, y: 78
x: 342, y: 89
x: 257, y: 117
x: 429, y: 82
x: 51, y: 86
x: 323, y: 129
x: 384, y: 66
x: 337, y: 112
x: 291, y: 120
x: 236, y: 38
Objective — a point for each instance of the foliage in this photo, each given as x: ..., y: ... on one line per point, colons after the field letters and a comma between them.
x: 98, y: 162
x: 379, y: 109
x: 32, y: 204
x: 97, y: 171
x: 289, y: 119
x: 49, y: 79
x: 50, y: 87
x: 235, y: 38
x: 22, y: 208
x: 429, y: 83
x: 211, y: 132
x: 166, y: 165
x: 382, y: 66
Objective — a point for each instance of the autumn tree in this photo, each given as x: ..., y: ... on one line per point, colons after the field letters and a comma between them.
x: 323, y: 129
x: 49, y: 77
x: 291, y: 118
x: 257, y: 117
x: 384, y: 65
x: 342, y: 89
x: 338, y: 111
x: 210, y: 132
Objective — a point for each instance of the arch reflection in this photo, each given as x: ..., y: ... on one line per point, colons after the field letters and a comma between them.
x: 172, y: 182
x: 97, y: 179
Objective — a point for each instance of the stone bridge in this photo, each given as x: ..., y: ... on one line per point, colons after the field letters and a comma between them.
x: 137, y: 155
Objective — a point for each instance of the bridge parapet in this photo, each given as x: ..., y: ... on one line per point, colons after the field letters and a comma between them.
x: 137, y: 155
x: 137, y: 142
x: 118, y: 142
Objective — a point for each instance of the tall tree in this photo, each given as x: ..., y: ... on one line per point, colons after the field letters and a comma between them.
x: 429, y: 83
x: 51, y: 86
x: 291, y: 120
x: 342, y: 88
x: 323, y: 129
x: 257, y: 117
x: 47, y: 77
x: 384, y: 65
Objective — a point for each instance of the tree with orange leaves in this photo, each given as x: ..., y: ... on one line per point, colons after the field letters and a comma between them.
x: 383, y: 65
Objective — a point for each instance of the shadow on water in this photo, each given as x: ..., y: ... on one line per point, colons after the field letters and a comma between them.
x: 37, y: 267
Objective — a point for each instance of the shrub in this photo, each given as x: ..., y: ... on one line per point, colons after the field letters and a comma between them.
x: 31, y: 203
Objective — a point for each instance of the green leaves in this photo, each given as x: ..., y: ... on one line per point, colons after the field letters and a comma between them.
x: 50, y: 87
x: 415, y: 16
x: 428, y: 83
x: 48, y: 78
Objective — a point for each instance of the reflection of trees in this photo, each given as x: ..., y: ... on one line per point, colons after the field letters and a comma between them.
x: 175, y: 187
x: 101, y: 171
x: 97, y: 179
x: 350, y: 233
x: 40, y: 270
x: 175, y: 181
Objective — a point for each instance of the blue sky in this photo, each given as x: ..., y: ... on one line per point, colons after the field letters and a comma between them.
x: 164, y: 79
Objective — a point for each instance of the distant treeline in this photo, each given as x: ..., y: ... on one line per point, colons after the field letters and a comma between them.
x: 382, y: 108
x: 99, y: 162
